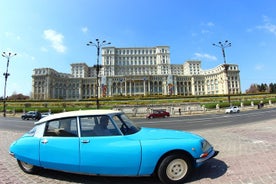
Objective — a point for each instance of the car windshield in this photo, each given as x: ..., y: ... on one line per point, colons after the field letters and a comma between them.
x: 125, y: 124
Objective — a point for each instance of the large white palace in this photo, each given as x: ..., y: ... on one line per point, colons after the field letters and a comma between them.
x: 135, y: 71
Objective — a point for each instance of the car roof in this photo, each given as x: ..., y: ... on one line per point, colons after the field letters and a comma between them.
x: 76, y: 113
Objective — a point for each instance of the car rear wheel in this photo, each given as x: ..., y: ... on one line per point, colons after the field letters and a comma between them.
x: 27, y: 168
x: 174, y: 169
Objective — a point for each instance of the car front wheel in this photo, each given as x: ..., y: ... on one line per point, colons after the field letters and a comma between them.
x: 27, y: 168
x: 174, y: 169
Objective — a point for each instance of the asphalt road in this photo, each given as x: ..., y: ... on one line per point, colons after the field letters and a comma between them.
x: 183, y: 122
x: 199, y: 122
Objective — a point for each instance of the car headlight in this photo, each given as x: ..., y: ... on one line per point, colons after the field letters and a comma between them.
x: 205, y: 146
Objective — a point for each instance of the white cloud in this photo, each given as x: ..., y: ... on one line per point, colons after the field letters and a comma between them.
x: 26, y: 56
x: 194, y: 34
x: 206, y: 27
x: 262, y: 44
x: 56, y: 40
x: 84, y: 29
x: 43, y: 49
x: 259, y: 67
x: 12, y: 36
x: 208, y: 24
x: 205, y: 56
x: 268, y: 26
x: 249, y: 30
x: 204, y: 31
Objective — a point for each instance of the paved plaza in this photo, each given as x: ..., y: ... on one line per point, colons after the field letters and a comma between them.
x: 247, y: 156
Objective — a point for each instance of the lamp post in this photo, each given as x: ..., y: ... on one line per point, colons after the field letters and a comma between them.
x: 98, y: 44
x: 6, y: 75
x: 226, y: 66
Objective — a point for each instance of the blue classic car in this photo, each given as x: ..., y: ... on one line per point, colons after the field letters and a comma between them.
x: 106, y: 142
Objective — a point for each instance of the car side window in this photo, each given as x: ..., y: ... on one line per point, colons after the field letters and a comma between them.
x: 65, y: 127
x: 87, y: 125
x: 97, y: 126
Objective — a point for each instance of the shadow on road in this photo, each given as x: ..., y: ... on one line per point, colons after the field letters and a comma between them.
x: 86, y: 179
x: 212, y: 169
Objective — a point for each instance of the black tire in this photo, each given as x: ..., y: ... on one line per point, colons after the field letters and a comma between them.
x: 27, y: 168
x: 174, y: 169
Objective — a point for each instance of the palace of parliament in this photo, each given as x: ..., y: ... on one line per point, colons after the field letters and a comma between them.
x: 135, y: 71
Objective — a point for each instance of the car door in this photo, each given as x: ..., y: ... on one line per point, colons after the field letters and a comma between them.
x: 155, y: 114
x: 159, y: 114
x: 59, y: 146
x: 107, y: 154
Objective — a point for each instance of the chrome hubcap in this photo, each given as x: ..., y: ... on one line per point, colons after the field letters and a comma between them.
x: 177, y: 169
x: 26, y: 165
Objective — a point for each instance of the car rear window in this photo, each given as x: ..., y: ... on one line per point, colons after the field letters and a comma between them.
x: 65, y: 127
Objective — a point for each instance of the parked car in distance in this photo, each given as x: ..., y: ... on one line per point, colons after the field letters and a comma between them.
x: 158, y: 114
x: 34, y: 115
x: 232, y: 109
x: 87, y: 136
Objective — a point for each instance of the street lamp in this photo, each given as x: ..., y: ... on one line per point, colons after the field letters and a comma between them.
x: 226, y: 66
x: 98, y: 44
x: 8, y: 56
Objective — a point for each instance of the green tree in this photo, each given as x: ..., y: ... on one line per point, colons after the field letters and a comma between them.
x: 272, y: 88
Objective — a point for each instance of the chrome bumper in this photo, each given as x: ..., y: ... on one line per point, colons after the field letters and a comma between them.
x: 11, y: 154
x: 212, y: 154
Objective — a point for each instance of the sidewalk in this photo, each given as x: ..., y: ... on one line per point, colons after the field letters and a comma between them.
x: 247, y: 156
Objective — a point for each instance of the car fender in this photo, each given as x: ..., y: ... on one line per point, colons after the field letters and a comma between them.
x: 154, y: 150
x: 20, y: 148
x: 26, y: 149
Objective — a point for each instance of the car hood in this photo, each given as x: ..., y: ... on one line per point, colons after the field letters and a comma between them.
x: 155, y: 133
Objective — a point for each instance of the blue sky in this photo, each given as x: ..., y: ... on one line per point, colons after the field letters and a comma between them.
x: 54, y: 33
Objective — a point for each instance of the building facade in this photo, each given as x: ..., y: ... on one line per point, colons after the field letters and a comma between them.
x: 135, y: 71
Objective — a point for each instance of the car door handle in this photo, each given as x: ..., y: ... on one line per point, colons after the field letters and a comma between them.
x: 44, y: 141
x: 85, y: 141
